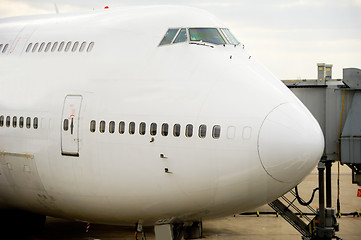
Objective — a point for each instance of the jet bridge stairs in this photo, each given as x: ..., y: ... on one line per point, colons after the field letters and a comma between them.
x: 301, y: 221
x: 305, y: 219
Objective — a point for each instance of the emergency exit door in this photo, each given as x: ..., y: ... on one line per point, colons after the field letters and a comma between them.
x: 70, y: 125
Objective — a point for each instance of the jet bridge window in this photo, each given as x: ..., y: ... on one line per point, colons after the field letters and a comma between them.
x: 210, y: 35
x: 169, y: 36
x: 229, y: 36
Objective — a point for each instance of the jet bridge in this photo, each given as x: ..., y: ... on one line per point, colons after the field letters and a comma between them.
x: 336, y: 104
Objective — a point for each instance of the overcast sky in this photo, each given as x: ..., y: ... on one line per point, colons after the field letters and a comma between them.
x: 288, y: 36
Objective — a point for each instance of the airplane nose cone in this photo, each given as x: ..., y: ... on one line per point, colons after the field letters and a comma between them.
x: 290, y: 143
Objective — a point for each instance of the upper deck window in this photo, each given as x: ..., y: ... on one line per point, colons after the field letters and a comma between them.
x: 210, y: 35
x: 169, y: 36
x: 229, y: 36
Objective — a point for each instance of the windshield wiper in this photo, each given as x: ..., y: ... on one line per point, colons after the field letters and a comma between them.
x: 201, y: 44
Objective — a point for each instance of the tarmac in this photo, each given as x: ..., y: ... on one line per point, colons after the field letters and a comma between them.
x: 239, y: 227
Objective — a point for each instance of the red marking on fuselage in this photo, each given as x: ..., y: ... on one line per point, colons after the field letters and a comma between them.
x: 16, y: 44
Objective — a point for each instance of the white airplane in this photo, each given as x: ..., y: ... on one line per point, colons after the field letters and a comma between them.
x: 146, y: 116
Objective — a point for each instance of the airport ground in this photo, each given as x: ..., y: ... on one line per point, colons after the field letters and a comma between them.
x: 238, y: 227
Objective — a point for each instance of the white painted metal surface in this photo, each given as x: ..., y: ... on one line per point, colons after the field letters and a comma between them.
x: 121, y: 178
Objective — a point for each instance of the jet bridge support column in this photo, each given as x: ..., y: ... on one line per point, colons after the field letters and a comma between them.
x: 328, y: 184
x: 321, y: 194
x: 326, y: 215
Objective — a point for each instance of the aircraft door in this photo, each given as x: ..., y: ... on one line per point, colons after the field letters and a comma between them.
x: 70, y: 125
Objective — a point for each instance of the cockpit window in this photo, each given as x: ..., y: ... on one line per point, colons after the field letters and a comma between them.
x: 169, y: 36
x: 229, y: 36
x: 182, y: 36
x: 210, y: 35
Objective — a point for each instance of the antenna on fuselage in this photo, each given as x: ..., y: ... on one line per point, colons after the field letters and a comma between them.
x: 56, y: 8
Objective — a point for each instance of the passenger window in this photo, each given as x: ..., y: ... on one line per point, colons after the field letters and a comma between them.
x: 82, y: 46
x: 54, y: 46
x: 61, y: 46
x: 41, y: 47
x: 153, y: 129
x: 28, y: 122
x: 36, y: 123
x: 1, y: 120
x: 29, y: 47
x: 67, y: 47
x: 5, y: 48
x: 8, y: 121
x: 210, y: 35
x: 90, y: 47
x: 168, y: 37
x: 131, y: 128
x: 202, y: 131
x: 75, y: 46
x: 15, y: 122
x: 47, y: 46
x: 182, y: 36
x: 165, y: 129
x: 102, y: 127
x: 92, y: 125
x: 1, y: 46
x: 66, y: 124
x: 216, y: 133
x: 35, y: 47
x: 21, y: 122
x: 142, y: 127
x: 189, y: 130
x: 112, y: 127
x: 121, y: 127
x: 176, y: 130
